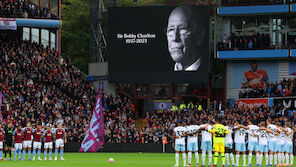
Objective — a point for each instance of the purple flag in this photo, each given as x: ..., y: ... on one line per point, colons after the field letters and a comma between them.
x: 0, y: 106
x: 94, y: 137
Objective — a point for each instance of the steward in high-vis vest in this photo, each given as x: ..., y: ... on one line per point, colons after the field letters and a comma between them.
x: 174, y: 107
x: 190, y: 106
x: 183, y: 106
x: 199, y: 108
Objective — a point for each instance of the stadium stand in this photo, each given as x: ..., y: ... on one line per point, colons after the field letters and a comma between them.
x: 23, y: 9
x: 283, y: 88
x: 40, y: 86
x: 241, y: 42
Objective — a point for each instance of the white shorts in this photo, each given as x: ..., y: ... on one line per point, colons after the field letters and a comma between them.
x: 1, y: 145
x: 192, y: 147
x: 48, y: 145
x: 37, y: 145
x: 27, y: 144
x: 18, y: 146
x: 59, y: 143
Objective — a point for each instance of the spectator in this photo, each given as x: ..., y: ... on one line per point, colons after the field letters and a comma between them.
x: 22, y: 9
x: 239, y: 42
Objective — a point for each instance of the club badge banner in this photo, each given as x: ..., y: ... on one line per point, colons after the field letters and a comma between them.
x: 8, y: 24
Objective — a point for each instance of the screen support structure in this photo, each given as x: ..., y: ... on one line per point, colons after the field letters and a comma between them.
x: 98, y: 44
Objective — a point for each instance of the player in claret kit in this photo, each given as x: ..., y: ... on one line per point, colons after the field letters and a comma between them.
x: 28, y: 131
x: 37, y: 142
x: 2, y: 133
x: 48, y: 142
x: 18, y: 142
x: 60, y: 136
x: 180, y: 132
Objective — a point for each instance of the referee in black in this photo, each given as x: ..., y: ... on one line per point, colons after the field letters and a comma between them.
x: 8, y: 140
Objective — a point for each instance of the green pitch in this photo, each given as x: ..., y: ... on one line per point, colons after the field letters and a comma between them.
x: 101, y: 160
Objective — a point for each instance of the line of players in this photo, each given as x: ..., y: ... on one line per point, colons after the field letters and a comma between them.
x: 274, y: 141
x: 23, y: 138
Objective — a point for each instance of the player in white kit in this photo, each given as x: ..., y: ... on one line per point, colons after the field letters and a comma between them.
x: 263, y: 143
x: 253, y: 145
x: 180, y: 132
x: 271, y: 141
x: 192, y: 141
x: 288, y: 148
x: 280, y: 144
x: 240, y: 143
x: 229, y: 147
x: 206, y: 144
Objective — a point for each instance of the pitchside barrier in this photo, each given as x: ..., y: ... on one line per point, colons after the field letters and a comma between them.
x: 133, y: 147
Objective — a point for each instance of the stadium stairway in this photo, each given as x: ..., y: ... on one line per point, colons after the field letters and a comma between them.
x: 140, y: 124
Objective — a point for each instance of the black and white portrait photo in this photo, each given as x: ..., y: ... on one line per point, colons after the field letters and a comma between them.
x: 186, y: 34
x: 158, y: 44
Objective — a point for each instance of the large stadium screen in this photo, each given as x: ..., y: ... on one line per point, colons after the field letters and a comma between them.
x: 158, y: 44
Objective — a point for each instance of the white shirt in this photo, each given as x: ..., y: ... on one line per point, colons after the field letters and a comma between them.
x: 239, y: 135
x: 228, y: 137
x: 263, y: 137
x: 205, y: 135
x: 252, y: 129
x: 281, y: 137
x: 193, y: 67
x: 180, y: 131
x: 288, y: 138
x: 192, y: 135
x: 272, y: 137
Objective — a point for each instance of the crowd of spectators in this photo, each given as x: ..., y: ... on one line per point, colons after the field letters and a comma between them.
x: 162, y: 124
x: 283, y: 88
x: 240, y: 42
x: 23, y: 9
x: 119, y: 115
x: 40, y: 86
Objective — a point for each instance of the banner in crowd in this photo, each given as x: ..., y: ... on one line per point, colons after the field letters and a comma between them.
x: 8, y: 24
x: 94, y: 138
x: 251, y: 74
x: 162, y: 104
x: 252, y: 103
x: 0, y: 106
x: 288, y: 103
